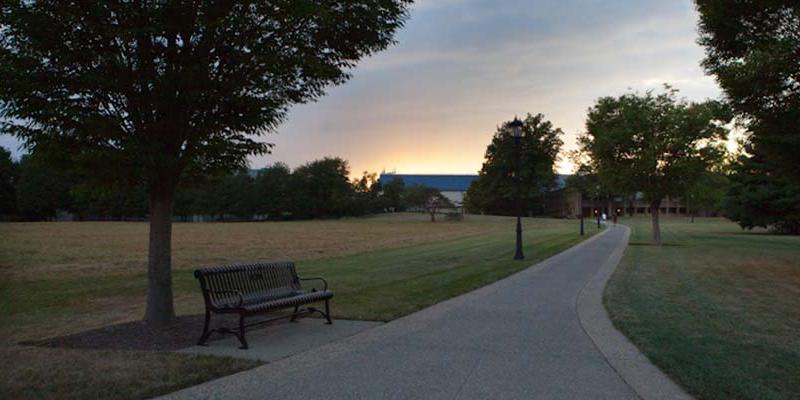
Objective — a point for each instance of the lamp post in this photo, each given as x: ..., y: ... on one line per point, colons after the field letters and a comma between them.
x: 597, y: 209
x: 516, y: 133
x: 581, y: 175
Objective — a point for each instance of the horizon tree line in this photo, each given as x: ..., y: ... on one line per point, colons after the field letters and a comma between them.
x: 38, y: 189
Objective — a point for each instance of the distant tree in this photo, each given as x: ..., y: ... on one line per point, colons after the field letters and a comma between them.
x: 392, y: 197
x: 586, y: 182
x: 427, y: 198
x: 273, y: 191
x: 227, y: 194
x: 321, y: 188
x: 654, y: 144
x: 43, y: 189
x: 105, y: 202
x: 8, y: 182
x: 495, y: 189
x: 155, y: 91
x: 706, y: 194
x: 366, y: 194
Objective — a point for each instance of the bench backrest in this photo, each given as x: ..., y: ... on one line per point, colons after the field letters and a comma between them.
x: 256, y: 282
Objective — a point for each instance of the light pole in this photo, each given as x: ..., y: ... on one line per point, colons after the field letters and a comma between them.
x: 597, y: 209
x: 516, y: 132
x: 581, y: 175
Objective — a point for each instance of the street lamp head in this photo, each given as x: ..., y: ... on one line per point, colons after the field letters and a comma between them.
x: 516, y: 128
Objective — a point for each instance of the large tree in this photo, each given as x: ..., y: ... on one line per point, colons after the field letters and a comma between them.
x: 753, y: 49
x: 495, y: 189
x: 655, y: 144
x: 154, y: 90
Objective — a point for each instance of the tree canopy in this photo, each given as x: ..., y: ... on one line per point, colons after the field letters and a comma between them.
x: 153, y: 91
x: 655, y: 144
x: 495, y: 189
x: 753, y: 49
x: 759, y: 196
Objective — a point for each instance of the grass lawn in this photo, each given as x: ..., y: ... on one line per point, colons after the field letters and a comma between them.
x: 62, y: 278
x: 716, y: 308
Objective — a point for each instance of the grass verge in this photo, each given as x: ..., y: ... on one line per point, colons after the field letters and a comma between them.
x: 716, y: 308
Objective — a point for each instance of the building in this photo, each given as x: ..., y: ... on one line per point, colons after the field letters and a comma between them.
x: 454, y: 187
x: 567, y: 202
x: 562, y: 202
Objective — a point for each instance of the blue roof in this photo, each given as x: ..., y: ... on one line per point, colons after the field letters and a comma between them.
x: 447, y: 183
x: 561, y: 181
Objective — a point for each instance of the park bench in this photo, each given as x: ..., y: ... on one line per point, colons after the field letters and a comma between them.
x: 253, y: 289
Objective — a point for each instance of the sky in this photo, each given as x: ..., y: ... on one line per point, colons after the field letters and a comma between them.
x: 431, y: 102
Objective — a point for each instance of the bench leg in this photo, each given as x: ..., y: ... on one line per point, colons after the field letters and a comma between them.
x: 328, y: 312
x: 294, y: 316
x: 240, y: 334
x: 206, y: 333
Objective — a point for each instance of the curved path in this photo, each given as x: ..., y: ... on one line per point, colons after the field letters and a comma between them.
x: 522, y: 337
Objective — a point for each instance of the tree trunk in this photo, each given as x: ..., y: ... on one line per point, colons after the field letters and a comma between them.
x: 433, y: 215
x: 160, y: 309
x: 654, y: 211
x: 631, y: 206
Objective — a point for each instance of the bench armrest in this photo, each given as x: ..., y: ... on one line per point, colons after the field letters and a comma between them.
x: 238, y: 293
x: 317, y: 278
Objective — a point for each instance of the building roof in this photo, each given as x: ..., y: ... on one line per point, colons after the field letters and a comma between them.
x: 451, y: 183
x: 561, y: 181
x: 445, y: 183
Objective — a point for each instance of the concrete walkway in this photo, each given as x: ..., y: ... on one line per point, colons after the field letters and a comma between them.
x: 518, y: 338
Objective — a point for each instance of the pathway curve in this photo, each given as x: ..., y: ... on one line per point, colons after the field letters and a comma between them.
x: 518, y: 338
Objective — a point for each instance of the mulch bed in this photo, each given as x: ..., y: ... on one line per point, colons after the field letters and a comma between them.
x: 137, y: 335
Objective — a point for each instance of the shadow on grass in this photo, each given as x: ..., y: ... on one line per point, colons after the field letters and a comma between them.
x: 139, y: 336
x: 757, y: 233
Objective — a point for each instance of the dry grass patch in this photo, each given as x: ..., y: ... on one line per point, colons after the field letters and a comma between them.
x: 65, y: 278
x: 95, y: 249
x: 45, y: 373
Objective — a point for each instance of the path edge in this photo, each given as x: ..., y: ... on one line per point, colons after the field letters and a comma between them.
x: 633, y: 367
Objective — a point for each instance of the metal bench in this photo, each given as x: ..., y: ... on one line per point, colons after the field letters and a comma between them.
x: 252, y: 289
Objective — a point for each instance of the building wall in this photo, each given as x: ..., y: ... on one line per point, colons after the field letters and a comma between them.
x: 455, y: 197
x: 567, y: 203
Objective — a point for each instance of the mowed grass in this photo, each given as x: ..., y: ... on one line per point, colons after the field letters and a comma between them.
x: 716, y: 308
x: 62, y: 278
